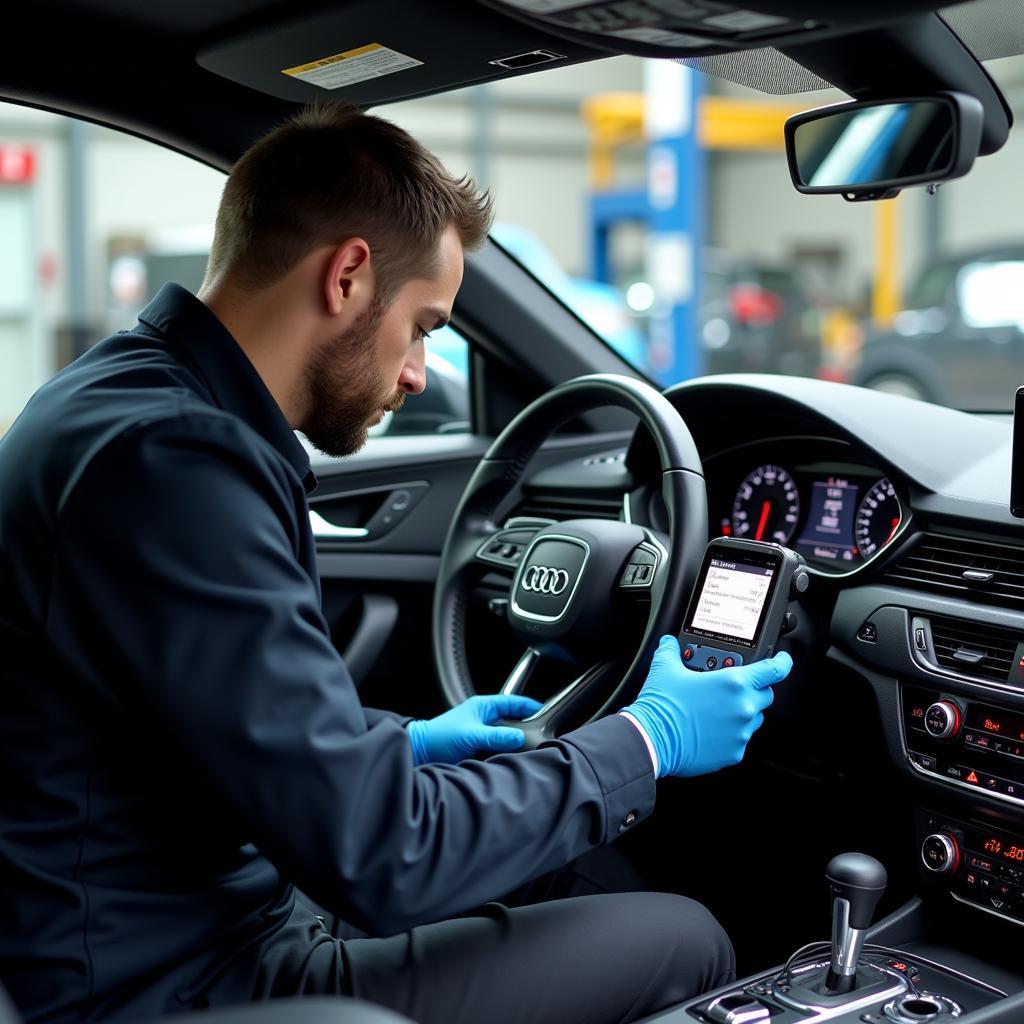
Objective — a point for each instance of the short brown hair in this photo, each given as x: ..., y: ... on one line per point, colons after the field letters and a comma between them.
x: 332, y: 172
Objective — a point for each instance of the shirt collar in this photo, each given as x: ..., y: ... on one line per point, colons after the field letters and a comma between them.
x: 232, y: 380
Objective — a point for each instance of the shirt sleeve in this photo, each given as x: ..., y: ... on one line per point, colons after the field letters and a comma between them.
x: 178, y: 588
x: 376, y: 715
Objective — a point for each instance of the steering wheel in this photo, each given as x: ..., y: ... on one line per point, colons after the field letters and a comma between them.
x: 568, y: 578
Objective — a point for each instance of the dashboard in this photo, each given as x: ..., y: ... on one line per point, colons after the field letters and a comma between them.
x: 901, y: 510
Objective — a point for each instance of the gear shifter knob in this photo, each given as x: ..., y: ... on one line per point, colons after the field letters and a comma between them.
x: 856, y: 883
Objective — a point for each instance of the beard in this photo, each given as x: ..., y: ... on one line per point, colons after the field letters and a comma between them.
x: 347, y: 393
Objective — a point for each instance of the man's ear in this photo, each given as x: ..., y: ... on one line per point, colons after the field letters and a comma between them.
x: 348, y: 280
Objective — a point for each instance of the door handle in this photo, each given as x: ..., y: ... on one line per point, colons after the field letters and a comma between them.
x: 322, y: 529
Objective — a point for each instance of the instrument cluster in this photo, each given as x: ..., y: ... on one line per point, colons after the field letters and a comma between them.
x: 810, y: 496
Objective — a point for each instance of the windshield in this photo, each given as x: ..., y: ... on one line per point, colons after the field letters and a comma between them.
x: 697, y: 255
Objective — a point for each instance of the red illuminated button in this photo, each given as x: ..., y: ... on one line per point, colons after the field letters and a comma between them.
x: 980, y: 863
x: 973, y: 777
x: 728, y: 662
x: 688, y: 654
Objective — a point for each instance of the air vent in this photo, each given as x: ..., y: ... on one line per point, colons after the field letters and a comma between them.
x: 559, y: 508
x: 973, y: 569
x: 968, y: 648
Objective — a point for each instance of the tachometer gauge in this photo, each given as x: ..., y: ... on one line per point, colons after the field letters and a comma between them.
x: 878, y: 517
x: 767, y: 506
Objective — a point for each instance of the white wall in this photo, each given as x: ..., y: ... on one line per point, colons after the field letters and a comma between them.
x: 538, y: 173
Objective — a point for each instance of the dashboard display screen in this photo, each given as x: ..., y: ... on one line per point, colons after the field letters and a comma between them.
x: 829, y: 530
x: 733, y: 598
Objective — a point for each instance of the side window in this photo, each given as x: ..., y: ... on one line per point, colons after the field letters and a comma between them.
x: 443, y: 408
x: 92, y: 223
x: 89, y: 218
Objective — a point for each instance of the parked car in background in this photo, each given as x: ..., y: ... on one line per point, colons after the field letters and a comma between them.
x: 757, y: 317
x: 960, y: 339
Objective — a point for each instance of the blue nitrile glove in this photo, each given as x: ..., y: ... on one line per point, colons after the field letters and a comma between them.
x: 699, y: 722
x: 468, y: 729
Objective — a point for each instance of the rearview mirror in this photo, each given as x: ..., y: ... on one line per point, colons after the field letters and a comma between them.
x: 872, y: 150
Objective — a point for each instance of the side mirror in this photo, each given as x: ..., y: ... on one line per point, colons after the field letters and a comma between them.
x: 872, y: 150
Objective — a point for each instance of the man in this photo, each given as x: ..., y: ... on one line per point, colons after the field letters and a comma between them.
x: 182, y: 747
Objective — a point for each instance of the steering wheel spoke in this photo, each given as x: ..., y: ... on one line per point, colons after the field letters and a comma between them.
x: 563, y: 709
x: 524, y: 669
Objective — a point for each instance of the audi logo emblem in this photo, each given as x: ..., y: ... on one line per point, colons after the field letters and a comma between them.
x: 541, y: 579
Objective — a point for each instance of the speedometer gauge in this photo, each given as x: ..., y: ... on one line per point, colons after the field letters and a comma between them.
x: 767, y: 505
x: 878, y: 517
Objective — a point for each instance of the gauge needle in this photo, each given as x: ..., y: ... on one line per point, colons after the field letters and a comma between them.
x: 763, y: 521
x: 895, y: 527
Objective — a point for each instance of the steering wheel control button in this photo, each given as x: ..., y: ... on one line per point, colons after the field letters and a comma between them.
x: 940, y: 853
x: 868, y: 633
x: 942, y: 720
x: 506, y: 547
x: 639, y: 572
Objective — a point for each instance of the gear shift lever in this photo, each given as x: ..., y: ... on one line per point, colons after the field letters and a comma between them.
x: 856, y: 883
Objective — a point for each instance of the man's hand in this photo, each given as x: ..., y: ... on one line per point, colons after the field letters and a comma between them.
x: 698, y: 722
x: 468, y: 729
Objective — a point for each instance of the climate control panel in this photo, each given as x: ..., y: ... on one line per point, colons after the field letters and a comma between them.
x: 966, y: 743
x: 977, y: 864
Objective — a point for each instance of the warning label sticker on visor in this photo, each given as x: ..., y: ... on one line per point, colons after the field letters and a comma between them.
x: 341, y: 69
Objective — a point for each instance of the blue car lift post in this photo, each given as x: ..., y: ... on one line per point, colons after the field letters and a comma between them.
x: 672, y: 208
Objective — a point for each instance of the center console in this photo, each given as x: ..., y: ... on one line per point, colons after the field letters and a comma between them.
x: 849, y: 979
x: 954, y: 951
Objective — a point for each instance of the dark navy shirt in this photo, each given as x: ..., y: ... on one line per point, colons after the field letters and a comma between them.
x: 180, y: 743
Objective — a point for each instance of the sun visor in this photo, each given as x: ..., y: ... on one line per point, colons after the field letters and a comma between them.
x: 378, y: 51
